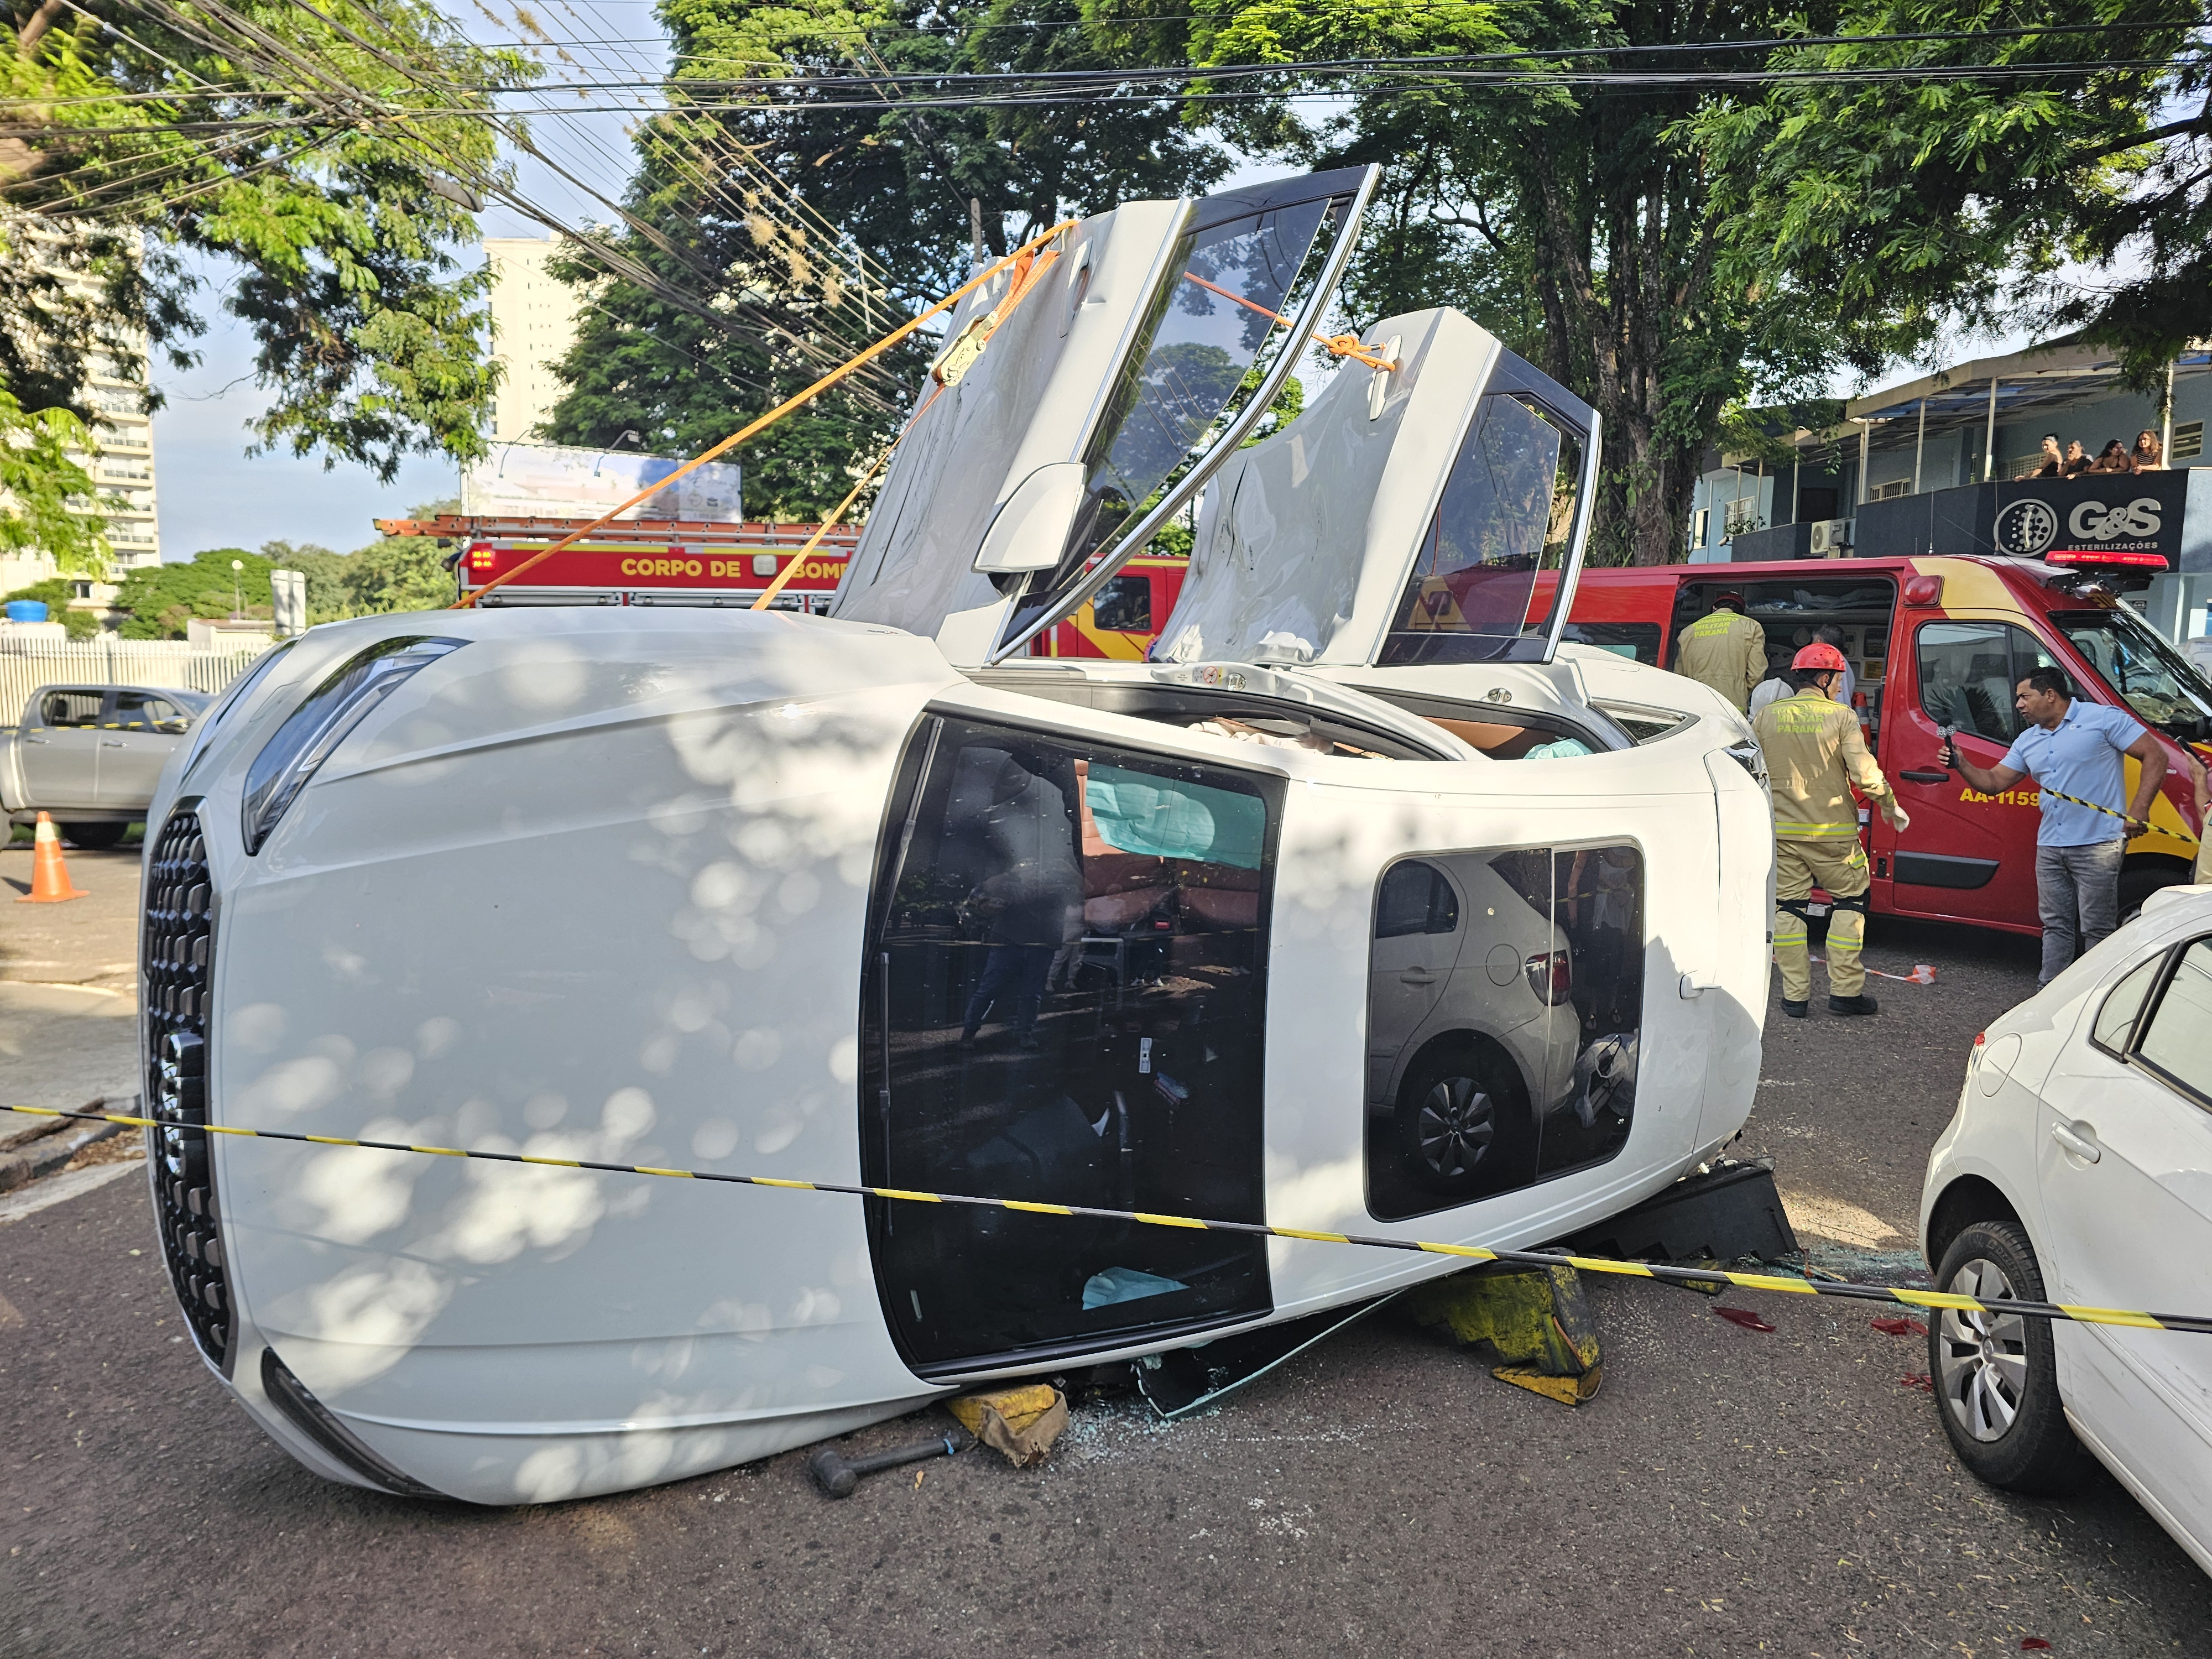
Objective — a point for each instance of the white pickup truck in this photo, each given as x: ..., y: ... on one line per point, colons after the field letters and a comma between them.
x: 90, y: 755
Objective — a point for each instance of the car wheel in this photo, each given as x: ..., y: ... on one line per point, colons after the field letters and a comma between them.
x: 2139, y: 882
x: 94, y: 837
x: 1997, y: 1375
x: 1459, y: 1117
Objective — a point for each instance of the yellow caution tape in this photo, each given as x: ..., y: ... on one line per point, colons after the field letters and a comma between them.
x: 1589, y: 1264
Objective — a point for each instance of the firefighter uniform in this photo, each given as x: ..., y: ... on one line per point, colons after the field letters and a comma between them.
x: 1814, y: 753
x: 1725, y: 651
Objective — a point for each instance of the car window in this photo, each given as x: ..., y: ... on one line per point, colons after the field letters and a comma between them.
x: 1638, y: 641
x: 1415, y: 898
x: 71, y: 708
x: 2177, y: 1039
x: 1124, y: 605
x: 2116, y: 1020
x: 1968, y: 670
x: 1514, y: 1058
x: 1067, y: 1003
x: 140, y: 711
x: 2157, y: 683
x: 1508, y: 512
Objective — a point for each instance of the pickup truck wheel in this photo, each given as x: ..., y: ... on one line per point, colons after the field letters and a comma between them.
x: 1997, y: 1375
x: 94, y: 837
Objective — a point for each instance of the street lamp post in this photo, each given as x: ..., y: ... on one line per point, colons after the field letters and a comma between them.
x: 237, y: 589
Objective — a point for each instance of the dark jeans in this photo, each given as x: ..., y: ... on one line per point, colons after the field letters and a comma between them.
x: 2077, y: 891
x: 1019, y: 968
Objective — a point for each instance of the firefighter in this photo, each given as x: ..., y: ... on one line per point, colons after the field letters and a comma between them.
x: 1815, y: 754
x: 1725, y: 649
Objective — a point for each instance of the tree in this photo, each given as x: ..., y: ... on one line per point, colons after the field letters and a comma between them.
x: 39, y: 483
x: 330, y: 148
x: 1577, y: 222
x: 1959, y: 203
x: 810, y: 231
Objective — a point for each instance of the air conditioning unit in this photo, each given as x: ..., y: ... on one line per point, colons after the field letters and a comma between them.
x: 1831, y: 535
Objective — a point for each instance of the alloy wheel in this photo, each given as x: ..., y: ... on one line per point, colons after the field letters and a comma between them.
x: 1456, y: 1125
x: 1984, y: 1355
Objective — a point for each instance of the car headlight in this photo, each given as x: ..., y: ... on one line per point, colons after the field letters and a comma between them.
x: 217, y: 711
x: 340, y: 703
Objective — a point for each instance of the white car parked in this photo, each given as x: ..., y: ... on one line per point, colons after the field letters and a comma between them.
x: 2078, y: 1170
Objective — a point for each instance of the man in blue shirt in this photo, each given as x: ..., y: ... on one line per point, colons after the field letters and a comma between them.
x: 2075, y: 748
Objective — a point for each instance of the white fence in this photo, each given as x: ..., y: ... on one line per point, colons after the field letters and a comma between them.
x: 25, y: 665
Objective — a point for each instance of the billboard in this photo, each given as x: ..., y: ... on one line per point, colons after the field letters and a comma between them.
x: 549, y: 480
x: 2034, y: 517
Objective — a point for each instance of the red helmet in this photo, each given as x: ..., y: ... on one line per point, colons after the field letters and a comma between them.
x: 1821, y: 658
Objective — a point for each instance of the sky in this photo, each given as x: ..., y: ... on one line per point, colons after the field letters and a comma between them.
x: 210, y: 495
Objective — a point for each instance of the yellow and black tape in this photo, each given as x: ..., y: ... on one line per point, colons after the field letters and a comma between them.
x: 1785, y: 1283
x: 2178, y: 831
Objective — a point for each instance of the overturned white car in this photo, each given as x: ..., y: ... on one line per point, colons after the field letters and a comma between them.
x: 1371, y: 906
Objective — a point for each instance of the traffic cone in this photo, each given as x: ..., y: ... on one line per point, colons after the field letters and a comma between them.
x: 50, y: 877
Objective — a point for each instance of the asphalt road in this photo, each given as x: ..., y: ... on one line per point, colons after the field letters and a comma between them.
x: 1728, y: 1491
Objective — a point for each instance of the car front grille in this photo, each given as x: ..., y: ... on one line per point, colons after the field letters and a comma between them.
x: 178, y: 951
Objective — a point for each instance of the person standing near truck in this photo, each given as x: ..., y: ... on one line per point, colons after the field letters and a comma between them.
x: 1815, y: 755
x: 2073, y: 749
x: 1725, y: 649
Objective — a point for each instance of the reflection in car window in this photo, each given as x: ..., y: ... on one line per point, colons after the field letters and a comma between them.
x: 2178, y: 1037
x: 2116, y: 1018
x: 1415, y: 898
x: 1124, y: 605
x: 1968, y: 670
x: 1638, y: 641
x: 1067, y: 1003
x: 1508, y: 510
x: 2157, y: 683
x: 71, y: 708
x: 1505, y: 1051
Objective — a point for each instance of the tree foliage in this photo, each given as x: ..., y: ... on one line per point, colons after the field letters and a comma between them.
x: 2039, y: 198
x: 39, y: 481
x: 1572, y: 221
x: 320, y: 148
x: 808, y: 232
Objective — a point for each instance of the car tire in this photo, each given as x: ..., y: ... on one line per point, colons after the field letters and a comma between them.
x: 2138, y: 882
x: 1996, y: 1378
x: 1462, y: 1116
x: 96, y: 837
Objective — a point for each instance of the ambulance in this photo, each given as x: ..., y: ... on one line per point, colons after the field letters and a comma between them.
x: 1938, y: 644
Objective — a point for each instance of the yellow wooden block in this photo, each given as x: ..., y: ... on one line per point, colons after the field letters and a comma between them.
x: 1019, y: 1407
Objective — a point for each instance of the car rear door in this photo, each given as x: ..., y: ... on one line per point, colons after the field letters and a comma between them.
x: 1966, y: 856
x: 140, y: 732
x: 2125, y: 1164
x: 60, y: 746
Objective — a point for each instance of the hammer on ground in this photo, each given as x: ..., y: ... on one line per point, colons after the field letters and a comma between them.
x: 836, y: 1474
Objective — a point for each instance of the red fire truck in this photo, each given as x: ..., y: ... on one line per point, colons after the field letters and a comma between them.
x: 675, y: 563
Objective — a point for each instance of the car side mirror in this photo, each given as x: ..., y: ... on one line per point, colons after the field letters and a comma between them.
x: 1030, y: 527
x: 2189, y: 728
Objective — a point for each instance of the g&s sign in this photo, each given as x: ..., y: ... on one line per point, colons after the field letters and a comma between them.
x: 2140, y: 514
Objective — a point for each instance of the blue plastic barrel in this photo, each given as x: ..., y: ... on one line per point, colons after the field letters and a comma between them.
x: 26, y: 610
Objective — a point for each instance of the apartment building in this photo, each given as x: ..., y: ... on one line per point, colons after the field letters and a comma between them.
x: 533, y: 323
x: 123, y: 469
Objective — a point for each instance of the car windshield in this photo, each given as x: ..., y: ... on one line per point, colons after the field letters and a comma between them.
x: 2154, y: 679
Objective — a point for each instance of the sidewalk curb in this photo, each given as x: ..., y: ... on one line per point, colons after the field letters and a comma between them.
x: 50, y: 1153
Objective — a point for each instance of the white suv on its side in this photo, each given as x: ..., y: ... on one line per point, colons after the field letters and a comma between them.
x: 2078, y: 1170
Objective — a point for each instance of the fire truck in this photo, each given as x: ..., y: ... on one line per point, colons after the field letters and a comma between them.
x: 669, y: 562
